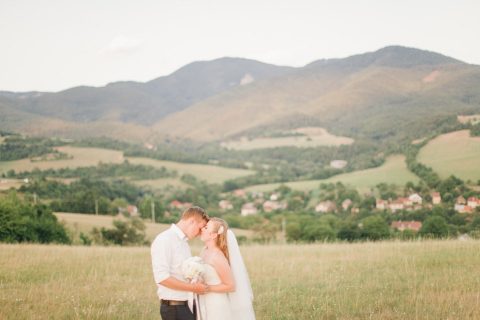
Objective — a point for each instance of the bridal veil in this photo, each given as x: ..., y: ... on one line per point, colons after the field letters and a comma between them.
x: 241, y: 299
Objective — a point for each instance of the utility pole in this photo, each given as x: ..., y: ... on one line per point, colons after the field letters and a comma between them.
x: 34, y: 198
x: 284, y: 229
x: 96, y: 207
x: 153, y: 210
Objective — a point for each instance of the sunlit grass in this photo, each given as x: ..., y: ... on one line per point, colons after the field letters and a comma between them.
x: 387, y: 280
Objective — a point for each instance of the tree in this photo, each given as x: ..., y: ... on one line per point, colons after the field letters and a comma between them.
x: 318, y: 231
x: 22, y: 222
x: 349, y: 231
x: 374, y: 228
x: 124, y: 233
x: 434, y: 226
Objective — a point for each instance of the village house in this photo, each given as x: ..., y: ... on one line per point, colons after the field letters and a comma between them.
x: 240, y: 193
x: 346, y: 204
x: 436, y: 198
x: 256, y: 195
x: 397, y: 205
x: 407, y: 225
x: 269, y: 206
x: 461, y: 200
x: 381, y: 204
x: 415, y: 198
x: 248, y: 209
x: 274, y: 196
x: 225, y: 205
x: 473, y: 202
x: 180, y: 205
x: 462, y: 206
x: 131, y: 210
x: 326, y: 206
x: 338, y: 164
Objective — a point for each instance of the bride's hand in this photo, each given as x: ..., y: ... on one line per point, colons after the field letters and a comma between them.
x: 200, y: 288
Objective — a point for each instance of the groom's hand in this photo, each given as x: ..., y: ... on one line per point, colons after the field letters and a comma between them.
x: 200, y: 288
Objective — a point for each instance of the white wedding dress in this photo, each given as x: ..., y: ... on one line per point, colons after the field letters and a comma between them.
x: 213, y: 305
x: 235, y: 305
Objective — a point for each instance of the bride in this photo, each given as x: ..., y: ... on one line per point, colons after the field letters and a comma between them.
x: 230, y: 294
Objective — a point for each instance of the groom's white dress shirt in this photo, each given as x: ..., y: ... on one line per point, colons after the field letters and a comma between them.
x: 169, y: 249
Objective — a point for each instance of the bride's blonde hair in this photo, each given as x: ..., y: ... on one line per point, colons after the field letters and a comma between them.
x: 221, y: 227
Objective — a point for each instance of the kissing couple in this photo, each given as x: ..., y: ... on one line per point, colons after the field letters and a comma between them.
x: 221, y: 284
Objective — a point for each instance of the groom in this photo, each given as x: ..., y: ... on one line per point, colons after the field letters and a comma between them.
x: 169, y: 249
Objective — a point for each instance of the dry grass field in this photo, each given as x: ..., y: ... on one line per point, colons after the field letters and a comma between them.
x: 386, y: 280
x: 84, y: 157
x: 161, y: 183
x: 312, y: 137
x: 393, y: 171
x: 209, y: 173
x: 453, y: 153
x: 78, y: 222
x: 6, y: 184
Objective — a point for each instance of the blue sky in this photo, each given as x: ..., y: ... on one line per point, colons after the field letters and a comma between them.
x: 54, y: 45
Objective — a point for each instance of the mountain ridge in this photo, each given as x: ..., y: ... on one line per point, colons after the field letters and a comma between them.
x: 225, y: 97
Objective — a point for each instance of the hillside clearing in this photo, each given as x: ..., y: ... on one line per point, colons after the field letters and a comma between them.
x: 82, y: 157
x: 393, y: 171
x: 455, y: 153
x: 311, y: 137
x: 85, y: 157
x: 209, y: 173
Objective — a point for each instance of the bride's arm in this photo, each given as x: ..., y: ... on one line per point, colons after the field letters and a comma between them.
x: 220, y: 263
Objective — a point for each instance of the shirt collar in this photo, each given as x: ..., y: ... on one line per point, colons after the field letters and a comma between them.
x: 179, y: 232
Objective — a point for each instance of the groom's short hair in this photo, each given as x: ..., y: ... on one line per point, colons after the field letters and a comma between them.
x: 195, y: 212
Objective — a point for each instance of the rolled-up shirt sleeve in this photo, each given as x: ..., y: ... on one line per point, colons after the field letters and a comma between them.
x: 161, y: 256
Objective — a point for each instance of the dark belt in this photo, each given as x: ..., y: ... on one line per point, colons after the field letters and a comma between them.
x: 173, y: 303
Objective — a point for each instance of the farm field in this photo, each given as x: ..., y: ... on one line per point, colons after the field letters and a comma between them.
x: 393, y: 171
x: 78, y: 222
x: 385, y: 280
x: 83, y: 157
x: 453, y: 153
x: 162, y: 183
x: 6, y: 184
x: 312, y: 137
x: 209, y: 173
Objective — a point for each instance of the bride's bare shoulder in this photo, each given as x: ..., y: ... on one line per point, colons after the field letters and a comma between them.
x: 218, y: 257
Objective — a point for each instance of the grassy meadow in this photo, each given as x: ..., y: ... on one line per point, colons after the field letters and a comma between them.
x: 393, y: 171
x: 385, y: 280
x: 453, y: 153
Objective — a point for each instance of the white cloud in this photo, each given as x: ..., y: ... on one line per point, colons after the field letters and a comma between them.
x: 121, y: 44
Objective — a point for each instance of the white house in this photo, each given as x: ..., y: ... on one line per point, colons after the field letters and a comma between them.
x: 415, y: 198
x: 248, y: 209
x: 325, y: 206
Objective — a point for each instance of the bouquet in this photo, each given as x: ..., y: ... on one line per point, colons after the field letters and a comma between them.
x: 193, y: 269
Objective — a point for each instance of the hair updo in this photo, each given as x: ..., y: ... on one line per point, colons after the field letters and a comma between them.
x: 221, y: 227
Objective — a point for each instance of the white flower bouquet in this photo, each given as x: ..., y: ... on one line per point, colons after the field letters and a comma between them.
x: 193, y: 269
